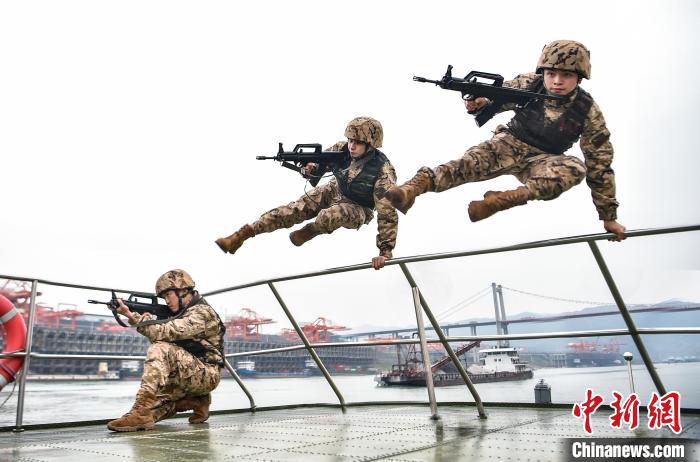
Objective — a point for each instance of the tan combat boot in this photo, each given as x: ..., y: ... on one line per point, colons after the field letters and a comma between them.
x: 402, y: 197
x: 164, y: 411
x: 199, y: 405
x: 140, y: 417
x: 234, y: 241
x: 495, y: 201
x: 304, y: 234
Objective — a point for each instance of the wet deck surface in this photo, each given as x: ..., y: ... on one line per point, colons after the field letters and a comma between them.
x: 387, y: 433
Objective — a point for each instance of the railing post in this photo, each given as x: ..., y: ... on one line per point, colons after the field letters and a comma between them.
x: 27, y: 356
x: 504, y: 320
x: 238, y: 380
x: 448, y: 348
x: 499, y: 331
x: 627, y: 318
x: 311, y: 351
x: 427, y: 370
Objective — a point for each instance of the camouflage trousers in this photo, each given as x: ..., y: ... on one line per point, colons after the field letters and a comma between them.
x: 545, y: 175
x: 172, y: 373
x: 331, y: 209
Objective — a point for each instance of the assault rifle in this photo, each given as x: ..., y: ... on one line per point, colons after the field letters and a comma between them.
x: 496, y: 92
x: 299, y: 157
x: 154, y: 308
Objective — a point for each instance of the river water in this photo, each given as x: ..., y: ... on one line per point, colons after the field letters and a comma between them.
x: 48, y: 402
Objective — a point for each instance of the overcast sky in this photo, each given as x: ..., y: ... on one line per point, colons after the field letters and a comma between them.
x: 129, y: 130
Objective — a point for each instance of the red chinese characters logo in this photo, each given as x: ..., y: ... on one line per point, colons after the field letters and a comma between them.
x: 627, y: 412
x: 587, y: 409
x: 665, y: 411
x: 662, y: 411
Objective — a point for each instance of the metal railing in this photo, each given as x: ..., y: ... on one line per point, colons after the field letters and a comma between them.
x: 420, y: 305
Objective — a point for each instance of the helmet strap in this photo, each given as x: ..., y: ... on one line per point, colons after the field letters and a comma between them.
x: 180, y: 304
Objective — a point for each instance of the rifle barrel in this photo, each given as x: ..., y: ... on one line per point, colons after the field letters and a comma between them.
x: 423, y: 79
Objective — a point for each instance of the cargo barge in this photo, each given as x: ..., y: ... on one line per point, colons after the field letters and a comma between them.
x: 495, y: 365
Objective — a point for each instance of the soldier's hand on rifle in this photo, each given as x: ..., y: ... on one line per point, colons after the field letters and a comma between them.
x: 309, y: 167
x: 124, y: 310
x: 378, y: 262
x: 616, y: 228
x: 475, y: 104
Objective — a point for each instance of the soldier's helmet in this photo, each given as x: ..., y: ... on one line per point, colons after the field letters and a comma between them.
x: 367, y: 130
x: 566, y: 55
x: 174, y: 279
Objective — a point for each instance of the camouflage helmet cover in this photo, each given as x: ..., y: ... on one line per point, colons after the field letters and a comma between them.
x: 367, y: 130
x: 566, y: 55
x: 174, y: 279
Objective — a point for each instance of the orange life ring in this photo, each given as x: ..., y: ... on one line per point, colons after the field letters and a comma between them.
x: 15, y: 338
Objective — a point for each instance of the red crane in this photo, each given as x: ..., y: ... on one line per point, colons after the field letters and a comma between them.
x: 245, y: 324
x: 612, y: 346
x: 316, y: 332
x: 19, y: 293
x: 582, y: 347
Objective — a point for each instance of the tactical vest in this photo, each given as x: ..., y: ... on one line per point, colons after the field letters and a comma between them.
x: 361, y: 188
x: 200, y: 348
x: 528, y: 124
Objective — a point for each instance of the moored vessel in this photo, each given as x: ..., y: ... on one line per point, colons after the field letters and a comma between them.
x: 495, y: 365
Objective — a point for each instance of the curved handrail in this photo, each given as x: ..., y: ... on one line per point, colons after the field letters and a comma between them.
x: 419, y: 302
x: 466, y: 253
x: 389, y: 342
x: 394, y: 261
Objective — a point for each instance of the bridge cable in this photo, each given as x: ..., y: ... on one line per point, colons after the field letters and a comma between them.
x: 464, y: 303
x: 548, y: 297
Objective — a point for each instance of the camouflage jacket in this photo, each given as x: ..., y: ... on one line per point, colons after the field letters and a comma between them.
x: 198, y: 325
x: 387, y: 217
x: 594, y: 143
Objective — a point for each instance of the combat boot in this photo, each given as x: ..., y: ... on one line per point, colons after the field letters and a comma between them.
x: 234, y: 241
x: 304, y: 234
x: 199, y: 405
x: 164, y: 411
x: 402, y: 197
x: 140, y: 417
x: 495, y: 201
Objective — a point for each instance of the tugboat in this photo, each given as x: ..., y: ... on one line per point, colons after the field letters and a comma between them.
x: 495, y: 365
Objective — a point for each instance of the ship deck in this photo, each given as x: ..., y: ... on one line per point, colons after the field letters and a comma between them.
x: 398, y: 433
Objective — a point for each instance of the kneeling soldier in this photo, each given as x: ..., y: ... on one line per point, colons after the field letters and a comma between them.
x: 184, y: 360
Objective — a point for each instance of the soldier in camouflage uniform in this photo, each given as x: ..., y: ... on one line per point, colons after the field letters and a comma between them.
x: 347, y: 200
x: 184, y: 359
x: 532, y: 146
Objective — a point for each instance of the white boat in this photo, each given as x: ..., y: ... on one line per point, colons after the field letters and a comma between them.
x: 500, y: 363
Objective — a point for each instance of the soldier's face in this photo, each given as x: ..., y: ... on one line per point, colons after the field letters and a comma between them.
x: 170, y: 297
x: 356, y: 148
x: 560, y: 82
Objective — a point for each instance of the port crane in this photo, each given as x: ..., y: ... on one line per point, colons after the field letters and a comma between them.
x: 245, y: 324
x: 317, y: 331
